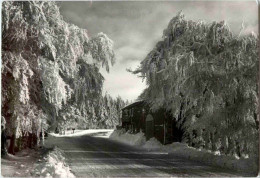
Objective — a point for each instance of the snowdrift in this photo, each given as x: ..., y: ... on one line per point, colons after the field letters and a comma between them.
x: 184, y: 151
x: 54, y: 166
x: 128, y: 138
x: 103, y: 132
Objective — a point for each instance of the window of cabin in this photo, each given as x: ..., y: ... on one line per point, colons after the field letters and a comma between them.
x: 126, y: 112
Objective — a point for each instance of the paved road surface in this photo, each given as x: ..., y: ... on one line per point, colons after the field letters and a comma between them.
x: 91, y: 156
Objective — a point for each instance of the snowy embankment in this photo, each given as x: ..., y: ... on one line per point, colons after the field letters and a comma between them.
x: 105, y: 132
x: 53, y: 165
x: 39, y: 162
x: 184, y: 151
x: 128, y: 138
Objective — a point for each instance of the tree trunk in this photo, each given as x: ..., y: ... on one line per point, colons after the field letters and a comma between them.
x: 207, y: 140
x: 238, y: 148
x: 12, y: 145
x: 224, y: 145
x: 29, y: 141
x: 34, y: 139
x: 230, y: 146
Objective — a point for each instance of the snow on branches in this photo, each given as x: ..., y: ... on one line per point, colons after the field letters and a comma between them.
x: 207, y: 77
x: 56, y: 91
x: 101, y: 48
x: 46, y: 63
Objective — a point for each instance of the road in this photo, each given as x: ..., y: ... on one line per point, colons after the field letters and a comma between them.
x: 93, y: 156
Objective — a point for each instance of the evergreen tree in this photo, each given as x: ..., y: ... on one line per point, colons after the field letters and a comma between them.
x: 50, y: 71
x: 207, y: 77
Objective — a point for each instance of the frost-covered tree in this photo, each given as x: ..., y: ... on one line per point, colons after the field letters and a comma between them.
x: 50, y: 68
x: 112, y: 108
x: 100, y: 112
x: 207, y: 77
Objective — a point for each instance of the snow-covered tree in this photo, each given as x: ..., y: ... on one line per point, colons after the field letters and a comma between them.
x: 207, y: 77
x: 49, y: 69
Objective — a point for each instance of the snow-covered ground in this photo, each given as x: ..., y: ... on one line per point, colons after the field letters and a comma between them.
x: 128, y: 138
x: 54, y: 165
x: 183, y: 150
x: 19, y: 165
x: 32, y: 163
x: 37, y: 163
x: 97, y: 132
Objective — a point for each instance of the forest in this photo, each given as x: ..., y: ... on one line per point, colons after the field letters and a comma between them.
x: 50, y: 74
x: 206, y: 76
x: 202, y: 73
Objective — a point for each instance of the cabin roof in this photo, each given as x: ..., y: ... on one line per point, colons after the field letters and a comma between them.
x: 140, y: 102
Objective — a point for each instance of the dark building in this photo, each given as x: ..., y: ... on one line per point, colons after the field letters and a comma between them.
x: 159, y: 124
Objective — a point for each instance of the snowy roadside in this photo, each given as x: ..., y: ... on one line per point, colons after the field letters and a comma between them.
x: 53, y: 165
x: 39, y: 162
x: 128, y: 138
x: 184, y: 151
x: 104, y: 132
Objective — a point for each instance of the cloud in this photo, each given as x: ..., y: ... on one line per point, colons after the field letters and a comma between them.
x: 120, y: 82
x: 135, y: 27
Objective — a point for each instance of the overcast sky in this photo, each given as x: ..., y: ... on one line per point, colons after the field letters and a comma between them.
x: 135, y: 27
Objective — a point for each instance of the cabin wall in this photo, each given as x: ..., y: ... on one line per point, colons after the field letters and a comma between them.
x: 163, y: 125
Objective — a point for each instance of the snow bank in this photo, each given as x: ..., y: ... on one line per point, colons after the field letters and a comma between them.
x: 211, y: 158
x: 105, y: 132
x: 152, y: 144
x: 184, y: 151
x: 53, y: 166
x: 128, y: 138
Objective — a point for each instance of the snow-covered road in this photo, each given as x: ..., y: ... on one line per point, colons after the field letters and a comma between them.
x: 95, y: 156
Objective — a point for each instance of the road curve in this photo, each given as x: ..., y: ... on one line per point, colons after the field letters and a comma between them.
x: 91, y: 156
